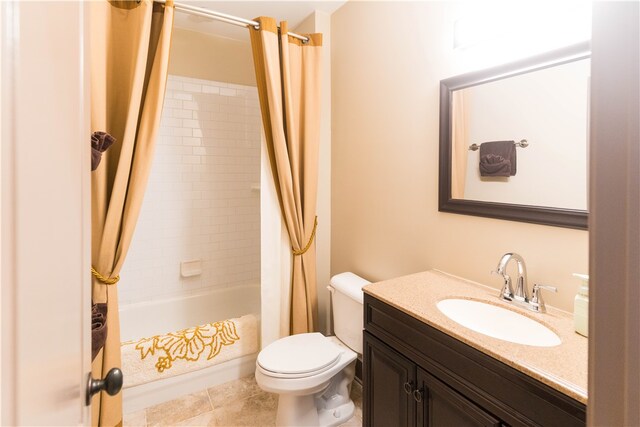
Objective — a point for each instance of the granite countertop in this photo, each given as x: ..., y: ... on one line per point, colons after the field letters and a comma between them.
x: 563, y: 367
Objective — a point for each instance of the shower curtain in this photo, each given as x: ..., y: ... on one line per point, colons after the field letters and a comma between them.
x: 460, y: 143
x: 129, y: 58
x: 288, y: 79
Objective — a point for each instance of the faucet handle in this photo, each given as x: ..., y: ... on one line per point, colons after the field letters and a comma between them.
x: 506, y: 293
x: 536, y: 296
x: 536, y: 288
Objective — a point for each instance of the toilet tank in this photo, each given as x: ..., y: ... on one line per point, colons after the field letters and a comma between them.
x: 347, y: 305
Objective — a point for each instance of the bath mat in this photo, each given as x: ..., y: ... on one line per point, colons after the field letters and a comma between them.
x: 162, y: 356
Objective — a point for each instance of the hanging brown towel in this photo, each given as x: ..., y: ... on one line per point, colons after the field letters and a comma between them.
x: 98, y: 328
x: 100, y: 141
x: 495, y: 165
x: 498, y: 158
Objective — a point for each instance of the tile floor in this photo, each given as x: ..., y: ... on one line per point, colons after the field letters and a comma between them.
x: 236, y: 403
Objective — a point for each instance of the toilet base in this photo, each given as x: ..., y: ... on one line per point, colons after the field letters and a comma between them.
x: 302, y: 411
x: 330, y: 407
x: 336, y: 416
x: 297, y: 410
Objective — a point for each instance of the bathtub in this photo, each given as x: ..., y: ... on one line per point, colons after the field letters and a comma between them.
x: 147, y: 319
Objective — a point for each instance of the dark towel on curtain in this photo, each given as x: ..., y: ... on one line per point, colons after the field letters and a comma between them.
x: 98, y: 328
x: 498, y: 158
x: 100, y: 141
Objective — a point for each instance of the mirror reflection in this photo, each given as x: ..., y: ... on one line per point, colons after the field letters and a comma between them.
x: 523, y: 139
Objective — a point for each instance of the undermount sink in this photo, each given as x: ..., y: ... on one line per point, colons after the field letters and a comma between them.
x: 498, y: 322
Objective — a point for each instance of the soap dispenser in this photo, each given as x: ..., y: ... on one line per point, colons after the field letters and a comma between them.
x: 581, y: 306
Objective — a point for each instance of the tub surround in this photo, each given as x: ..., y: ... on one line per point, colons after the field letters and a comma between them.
x: 201, y: 203
x: 162, y: 316
x: 564, y: 367
x: 159, y: 317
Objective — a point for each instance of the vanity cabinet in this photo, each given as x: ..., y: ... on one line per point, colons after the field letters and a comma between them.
x: 402, y: 394
x: 386, y: 375
x: 440, y: 405
x: 416, y: 375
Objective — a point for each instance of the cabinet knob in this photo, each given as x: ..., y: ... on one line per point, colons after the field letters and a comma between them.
x: 408, y: 387
x: 417, y: 395
x: 111, y: 384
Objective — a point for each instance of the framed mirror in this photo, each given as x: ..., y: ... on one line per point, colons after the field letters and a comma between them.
x: 513, y: 140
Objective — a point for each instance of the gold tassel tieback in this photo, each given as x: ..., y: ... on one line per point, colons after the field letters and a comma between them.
x: 313, y: 235
x: 104, y: 280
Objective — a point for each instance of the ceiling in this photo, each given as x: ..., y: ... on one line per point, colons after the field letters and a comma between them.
x: 292, y: 11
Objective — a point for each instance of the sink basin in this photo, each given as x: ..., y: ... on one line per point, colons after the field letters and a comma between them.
x: 498, y: 322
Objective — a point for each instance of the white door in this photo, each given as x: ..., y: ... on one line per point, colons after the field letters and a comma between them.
x: 45, y: 215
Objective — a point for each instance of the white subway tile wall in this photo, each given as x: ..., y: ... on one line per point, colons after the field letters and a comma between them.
x: 202, y: 200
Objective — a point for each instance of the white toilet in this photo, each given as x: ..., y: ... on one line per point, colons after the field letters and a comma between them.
x: 311, y: 373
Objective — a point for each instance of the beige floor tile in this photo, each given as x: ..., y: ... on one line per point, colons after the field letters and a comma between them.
x: 232, y: 391
x: 355, y: 421
x: 135, y: 419
x: 236, y: 403
x: 202, y: 420
x: 258, y: 410
x: 183, y: 408
x: 255, y: 416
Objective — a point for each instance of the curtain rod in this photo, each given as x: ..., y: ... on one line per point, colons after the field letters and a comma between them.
x: 229, y: 19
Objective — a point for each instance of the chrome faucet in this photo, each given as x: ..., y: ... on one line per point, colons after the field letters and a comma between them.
x: 521, y: 294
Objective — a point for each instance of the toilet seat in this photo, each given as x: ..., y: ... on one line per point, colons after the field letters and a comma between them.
x: 299, y: 356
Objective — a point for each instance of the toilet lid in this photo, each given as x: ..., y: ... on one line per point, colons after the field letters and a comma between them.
x: 299, y: 354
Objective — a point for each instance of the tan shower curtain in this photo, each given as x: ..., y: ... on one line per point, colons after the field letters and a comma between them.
x: 460, y: 143
x: 129, y: 60
x: 288, y: 78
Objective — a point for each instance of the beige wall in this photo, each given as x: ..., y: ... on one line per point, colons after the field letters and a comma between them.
x: 210, y: 57
x: 387, y: 61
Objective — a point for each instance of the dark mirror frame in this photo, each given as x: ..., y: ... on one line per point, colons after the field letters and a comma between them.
x: 560, y: 217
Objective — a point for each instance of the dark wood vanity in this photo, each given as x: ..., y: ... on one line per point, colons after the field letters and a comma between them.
x: 416, y: 375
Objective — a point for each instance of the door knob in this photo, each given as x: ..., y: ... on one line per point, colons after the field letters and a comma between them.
x: 417, y: 395
x: 112, y: 384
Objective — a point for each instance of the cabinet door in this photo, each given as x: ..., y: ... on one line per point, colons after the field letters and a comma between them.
x: 386, y: 375
x: 441, y: 406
